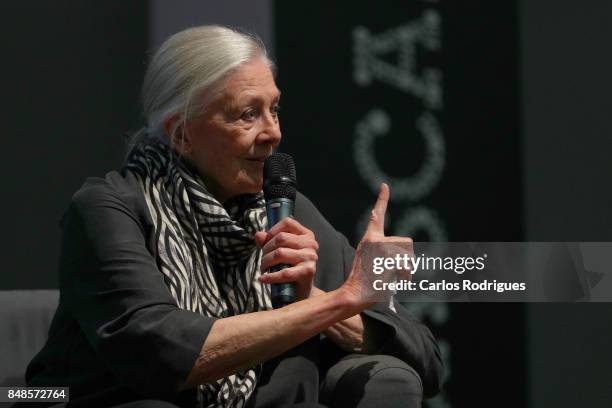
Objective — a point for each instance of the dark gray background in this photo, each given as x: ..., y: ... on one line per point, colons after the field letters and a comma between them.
x: 566, y: 84
x: 71, y: 73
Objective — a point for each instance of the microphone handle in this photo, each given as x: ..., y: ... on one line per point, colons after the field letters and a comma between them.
x: 282, y: 293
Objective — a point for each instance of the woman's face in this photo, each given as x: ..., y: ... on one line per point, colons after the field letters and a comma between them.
x: 229, y: 142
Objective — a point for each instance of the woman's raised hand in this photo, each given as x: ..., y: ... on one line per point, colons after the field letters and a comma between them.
x: 375, y: 243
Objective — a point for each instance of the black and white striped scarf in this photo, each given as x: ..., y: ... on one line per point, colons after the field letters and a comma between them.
x: 206, y: 252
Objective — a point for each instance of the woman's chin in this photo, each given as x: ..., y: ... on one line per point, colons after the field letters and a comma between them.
x: 253, y: 181
x: 251, y: 185
x: 244, y: 182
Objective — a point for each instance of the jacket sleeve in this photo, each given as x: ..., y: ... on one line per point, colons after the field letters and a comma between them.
x: 111, y: 284
x: 398, y: 333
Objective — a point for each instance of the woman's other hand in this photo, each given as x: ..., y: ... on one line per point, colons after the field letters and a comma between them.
x: 289, y: 242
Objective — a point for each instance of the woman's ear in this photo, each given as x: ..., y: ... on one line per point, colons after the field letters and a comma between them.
x: 176, y: 134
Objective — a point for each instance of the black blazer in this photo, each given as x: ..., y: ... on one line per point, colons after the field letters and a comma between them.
x: 118, y: 334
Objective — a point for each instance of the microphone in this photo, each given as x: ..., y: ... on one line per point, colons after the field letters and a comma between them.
x: 279, y: 192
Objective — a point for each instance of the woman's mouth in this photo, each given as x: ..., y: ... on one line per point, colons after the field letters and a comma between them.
x: 257, y: 161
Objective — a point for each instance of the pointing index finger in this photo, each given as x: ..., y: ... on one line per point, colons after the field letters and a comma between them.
x: 376, y: 224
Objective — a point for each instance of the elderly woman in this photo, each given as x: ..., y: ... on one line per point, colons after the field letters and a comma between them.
x: 163, y: 300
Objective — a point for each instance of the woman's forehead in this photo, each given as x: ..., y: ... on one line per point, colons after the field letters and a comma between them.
x: 254, y: 79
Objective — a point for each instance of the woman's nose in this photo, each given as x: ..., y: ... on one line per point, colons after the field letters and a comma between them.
x: 270, y: 132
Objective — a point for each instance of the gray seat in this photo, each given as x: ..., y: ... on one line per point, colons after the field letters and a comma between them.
x: 25, y: 317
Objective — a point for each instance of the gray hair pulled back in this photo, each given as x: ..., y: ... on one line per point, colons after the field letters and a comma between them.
x: 188, y: 67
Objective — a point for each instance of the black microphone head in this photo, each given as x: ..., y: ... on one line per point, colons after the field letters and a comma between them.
x: 279, y: 177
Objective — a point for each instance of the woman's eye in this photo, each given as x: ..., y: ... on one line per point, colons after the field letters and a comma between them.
x: 249, y: 114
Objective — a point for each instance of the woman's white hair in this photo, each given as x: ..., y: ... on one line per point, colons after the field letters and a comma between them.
x: 190, y: 66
